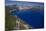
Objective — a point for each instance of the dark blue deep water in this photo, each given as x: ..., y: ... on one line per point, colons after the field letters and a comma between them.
x: 33, y: 18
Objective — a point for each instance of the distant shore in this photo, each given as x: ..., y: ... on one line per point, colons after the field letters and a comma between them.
x: 23, y: 7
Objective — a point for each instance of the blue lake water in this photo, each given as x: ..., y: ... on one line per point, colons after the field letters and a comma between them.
x: 31, y: 17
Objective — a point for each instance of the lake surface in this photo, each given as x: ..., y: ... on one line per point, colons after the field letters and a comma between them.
x: 31, y: 17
